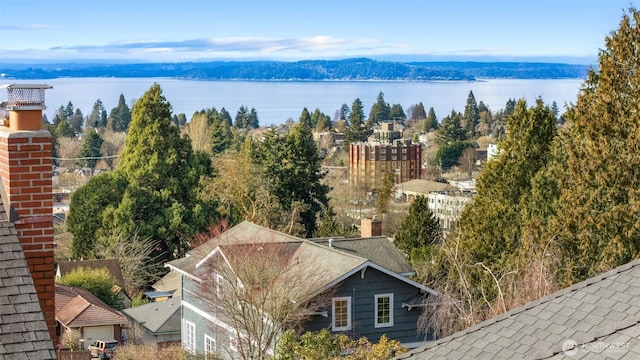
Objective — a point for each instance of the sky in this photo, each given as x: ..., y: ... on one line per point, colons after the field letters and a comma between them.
x: 125, y: 31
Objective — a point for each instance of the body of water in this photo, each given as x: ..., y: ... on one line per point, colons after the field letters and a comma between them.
x: 277, y: 101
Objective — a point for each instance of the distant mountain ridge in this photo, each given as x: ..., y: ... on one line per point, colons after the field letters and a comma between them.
x: 307, y: 70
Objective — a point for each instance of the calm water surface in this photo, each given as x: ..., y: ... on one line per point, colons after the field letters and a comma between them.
x: 277, y: 101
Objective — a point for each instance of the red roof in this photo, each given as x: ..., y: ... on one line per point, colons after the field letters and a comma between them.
x: 78, y: 308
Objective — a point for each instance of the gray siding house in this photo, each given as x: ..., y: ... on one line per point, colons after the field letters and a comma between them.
x: 360, y: 297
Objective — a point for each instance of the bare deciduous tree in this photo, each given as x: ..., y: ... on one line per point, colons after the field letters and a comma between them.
x: 262, y: 289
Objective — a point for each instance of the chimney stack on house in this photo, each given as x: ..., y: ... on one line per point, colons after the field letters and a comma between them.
x: 370, y: 227
x: 26, y: 168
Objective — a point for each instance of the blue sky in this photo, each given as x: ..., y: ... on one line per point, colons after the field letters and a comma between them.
x: 35, y: 31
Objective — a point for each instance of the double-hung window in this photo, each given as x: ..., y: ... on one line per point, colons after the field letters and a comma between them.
x: 209, y: 347
x: 341, y: 310
x: 384, y: 310
x: 189, y: 336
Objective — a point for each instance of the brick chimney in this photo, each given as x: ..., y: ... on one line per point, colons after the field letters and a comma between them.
x: 370, y: 227
x: 25, y: 168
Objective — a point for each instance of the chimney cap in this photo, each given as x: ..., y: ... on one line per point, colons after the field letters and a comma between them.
x: 25, y: 96
x: 26, y: 86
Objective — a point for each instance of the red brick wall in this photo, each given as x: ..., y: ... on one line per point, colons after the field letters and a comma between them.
x: 25, y: 167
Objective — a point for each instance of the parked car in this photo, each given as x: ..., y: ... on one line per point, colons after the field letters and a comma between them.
x: 102, y: 349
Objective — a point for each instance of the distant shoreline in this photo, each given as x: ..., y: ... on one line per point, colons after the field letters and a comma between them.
x: 311, y: 70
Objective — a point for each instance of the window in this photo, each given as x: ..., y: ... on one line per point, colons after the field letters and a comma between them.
x: 189, y: 336
x: 219, y: 283
x: 341, y: 309
x: 209, y: 347
x: 384, y: 310
x: 233, y: 344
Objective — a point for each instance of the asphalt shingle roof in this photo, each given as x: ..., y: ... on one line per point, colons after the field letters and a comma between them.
x: 23, y: 330
x: 598, y: 318
x: 160, y: 317
x: 77, y: 307
x: 379, y: 250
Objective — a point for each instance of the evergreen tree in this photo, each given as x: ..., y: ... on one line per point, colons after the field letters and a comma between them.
x: 76, y: 122
x: 292, y: 168
x: 397, y: 112
x: 356, y: 130
x: 385, y: 193
x: 86, y: 209
x: 220, y: 136
x: 471, y: 117
x: 321, y: 121
x: 598, y: 216
x: 305, y: 119
x: 432, y: 121
x: 63, y: 129
x: 95, y: 118
x: 120, y: 116
x: 419, y: 232
x: 90, y: 151
x: 450, y: 129
x: 161, y: 199
x: 225, y: 117
x: 418, y: 112
x: 379, y: 111
x: 491, y: 226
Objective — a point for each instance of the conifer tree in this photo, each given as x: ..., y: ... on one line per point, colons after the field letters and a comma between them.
x: 120, y: 116
x: 90, y: 151
x: 598, y: 219
x: 161, y: 175
x: 471, y: 117
x: 419, y: 232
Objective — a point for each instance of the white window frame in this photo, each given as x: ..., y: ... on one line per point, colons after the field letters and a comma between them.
x: 333, y: 313
x: 209, y: 346
x: 189, y: 336
x: 233, y: 344
x: 376, y: 318
x: 219, y: 285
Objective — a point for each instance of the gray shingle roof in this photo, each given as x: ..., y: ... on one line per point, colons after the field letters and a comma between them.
x: 596, y: 319
x: 379, y: 250
x: 162, y: 317
x: 23, y: 330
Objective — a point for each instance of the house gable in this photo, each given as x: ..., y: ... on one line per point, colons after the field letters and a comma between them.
x: 362, y: 287
x: 323, y: 270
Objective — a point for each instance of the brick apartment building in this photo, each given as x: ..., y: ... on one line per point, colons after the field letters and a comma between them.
x: 384, y: 152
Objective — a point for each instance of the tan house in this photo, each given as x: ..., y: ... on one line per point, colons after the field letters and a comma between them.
x: 77, y: 309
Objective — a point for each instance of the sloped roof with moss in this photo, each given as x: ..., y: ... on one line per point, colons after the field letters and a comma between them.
x: 598, y: 318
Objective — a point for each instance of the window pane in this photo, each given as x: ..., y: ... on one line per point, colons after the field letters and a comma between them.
x: 341, y: 313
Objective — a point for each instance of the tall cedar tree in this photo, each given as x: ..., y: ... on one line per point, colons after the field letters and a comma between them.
x: 598, y: 220
x: 490, y: 227
x: 161, y: 198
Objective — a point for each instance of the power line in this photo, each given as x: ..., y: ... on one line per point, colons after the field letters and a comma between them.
x: 87, y: 158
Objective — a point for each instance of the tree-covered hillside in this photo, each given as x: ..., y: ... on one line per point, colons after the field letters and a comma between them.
x: 310, y: 70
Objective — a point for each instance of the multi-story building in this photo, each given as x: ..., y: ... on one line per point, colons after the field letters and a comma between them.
x: 447, y: 205
x: 370, y: 161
